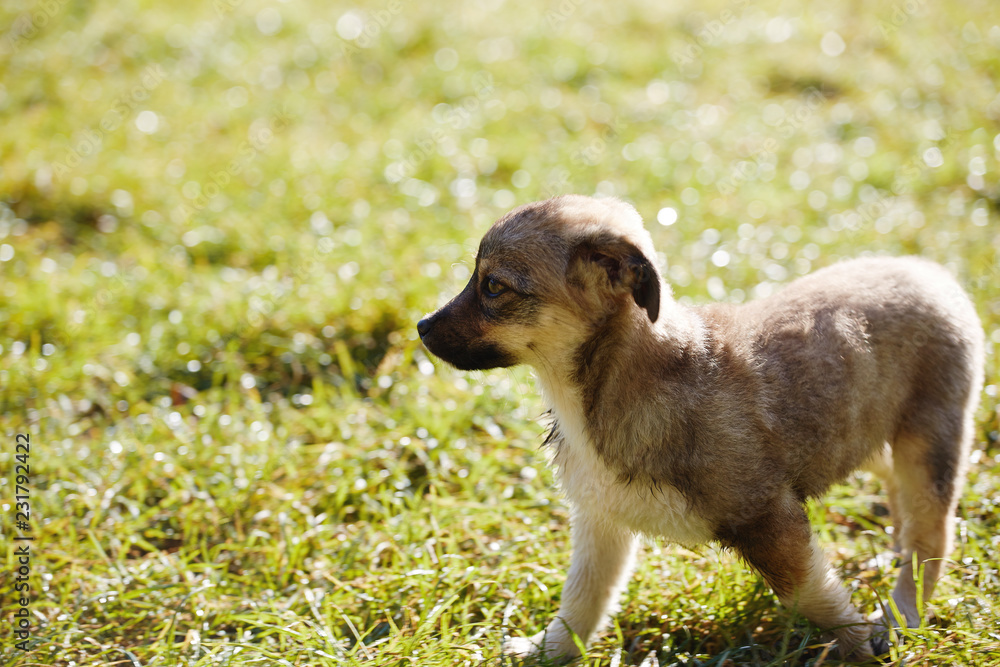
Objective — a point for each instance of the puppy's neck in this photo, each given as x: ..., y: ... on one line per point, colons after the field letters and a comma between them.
x: 677, y: 326
x: 586, y: 375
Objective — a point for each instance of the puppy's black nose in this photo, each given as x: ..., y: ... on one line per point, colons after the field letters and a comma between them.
x: 423, y: 326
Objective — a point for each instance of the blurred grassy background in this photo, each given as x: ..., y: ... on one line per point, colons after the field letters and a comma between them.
x: 220, y: 221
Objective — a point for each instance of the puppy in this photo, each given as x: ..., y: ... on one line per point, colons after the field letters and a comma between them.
x: 717, y: 423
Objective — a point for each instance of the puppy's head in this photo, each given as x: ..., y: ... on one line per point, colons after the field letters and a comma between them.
x: 549, y: 276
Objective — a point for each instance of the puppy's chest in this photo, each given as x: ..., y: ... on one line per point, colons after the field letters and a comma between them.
x: 597, y: 491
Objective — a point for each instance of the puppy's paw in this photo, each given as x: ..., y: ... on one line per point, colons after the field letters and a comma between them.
x: 881, y: 637
x: 521, y: 647
x: 853, y: 650
x: 851, y: 643
x: 880, y: 643
x: 884, y: 632
x: 552, y: 644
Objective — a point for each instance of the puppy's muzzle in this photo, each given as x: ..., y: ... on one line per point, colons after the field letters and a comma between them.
x: 455, y: 335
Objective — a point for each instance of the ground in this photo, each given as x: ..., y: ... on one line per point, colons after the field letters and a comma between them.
x: 219, y: 223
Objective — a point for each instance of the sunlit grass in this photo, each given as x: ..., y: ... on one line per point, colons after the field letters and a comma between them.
x: 219, y: 223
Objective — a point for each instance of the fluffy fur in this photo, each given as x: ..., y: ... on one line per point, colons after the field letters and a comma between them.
x: 717, y: 423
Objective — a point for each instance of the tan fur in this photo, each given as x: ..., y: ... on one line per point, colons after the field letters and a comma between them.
x: 717, y: 423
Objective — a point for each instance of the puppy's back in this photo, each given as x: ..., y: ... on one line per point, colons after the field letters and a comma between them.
x: 904, y: 312
x: 852, y: 354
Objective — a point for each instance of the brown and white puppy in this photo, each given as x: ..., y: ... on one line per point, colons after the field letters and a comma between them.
x: 717, y: 423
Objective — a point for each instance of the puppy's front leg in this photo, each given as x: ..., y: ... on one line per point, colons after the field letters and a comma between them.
x: 603, y: 555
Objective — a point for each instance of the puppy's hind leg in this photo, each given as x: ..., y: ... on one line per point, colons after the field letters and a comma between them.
x: 928, y: 472
x: 603, y: 555
x: 780, y: 545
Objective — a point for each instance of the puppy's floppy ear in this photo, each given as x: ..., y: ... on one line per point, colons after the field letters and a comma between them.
x: 613, y: 264
x: 646, y: 289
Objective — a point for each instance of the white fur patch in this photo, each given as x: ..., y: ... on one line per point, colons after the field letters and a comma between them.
x: 596, y: 491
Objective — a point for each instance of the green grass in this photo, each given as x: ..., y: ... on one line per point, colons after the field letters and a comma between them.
x: 218, y: 229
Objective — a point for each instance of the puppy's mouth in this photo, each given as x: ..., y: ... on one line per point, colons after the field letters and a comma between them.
x: 458, y: 350
x: 476, y: 359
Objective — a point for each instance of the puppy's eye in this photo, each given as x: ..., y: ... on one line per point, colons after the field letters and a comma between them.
x: 494, y: 287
